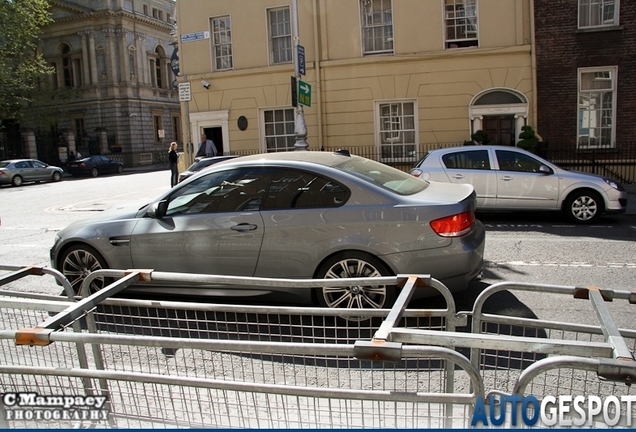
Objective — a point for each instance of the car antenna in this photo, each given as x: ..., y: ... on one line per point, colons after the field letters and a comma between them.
x: 343, y: 152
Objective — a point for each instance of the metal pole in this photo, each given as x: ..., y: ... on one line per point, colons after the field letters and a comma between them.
x: 300, y: 126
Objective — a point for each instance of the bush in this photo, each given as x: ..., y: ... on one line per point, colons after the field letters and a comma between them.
x: 529, y: 139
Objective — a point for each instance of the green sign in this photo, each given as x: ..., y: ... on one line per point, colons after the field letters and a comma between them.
x: 304, y: 93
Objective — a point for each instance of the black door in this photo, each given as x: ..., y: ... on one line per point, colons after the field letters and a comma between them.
x: 500, y: 129
x: 216, y: 135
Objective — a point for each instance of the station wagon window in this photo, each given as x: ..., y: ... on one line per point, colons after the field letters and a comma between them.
x: 293, y: 189
x: 515, y: 161
x: 220, y: 192
x: 476, y: 159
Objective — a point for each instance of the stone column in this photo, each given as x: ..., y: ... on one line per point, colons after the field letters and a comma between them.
x: 103, y: 140
x: 477, y: 124
x: 93, y: 57
x: 86, y: 65
x: 112, y: 59
x: 520, y: 121
x: 124, y: 67
x: 31, y: 148
x: 142, y: 66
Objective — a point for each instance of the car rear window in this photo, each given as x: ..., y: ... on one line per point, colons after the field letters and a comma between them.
x: 4, y: 164
x: 383, y: 175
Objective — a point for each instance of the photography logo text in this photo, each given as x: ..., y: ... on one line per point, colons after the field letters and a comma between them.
x: 560, y: 411
x: 31, y: 406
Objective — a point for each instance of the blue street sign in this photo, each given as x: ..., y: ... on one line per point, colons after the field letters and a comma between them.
x: 301, y: 60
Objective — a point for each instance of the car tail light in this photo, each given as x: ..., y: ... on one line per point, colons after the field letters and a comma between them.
x: 416, y: 172
x: 455, y: 225
x: 82, y: 165
x: 2, y: 173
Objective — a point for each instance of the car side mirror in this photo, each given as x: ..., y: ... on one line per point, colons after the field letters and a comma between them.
x: 158, y: 210
x: 545, y: 169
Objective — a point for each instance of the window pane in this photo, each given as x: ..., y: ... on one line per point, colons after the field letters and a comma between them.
x: 279, y: 130
x: 377, y: 26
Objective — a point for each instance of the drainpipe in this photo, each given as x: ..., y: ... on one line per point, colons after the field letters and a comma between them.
x: 318, y: 72
x: 533, y: 50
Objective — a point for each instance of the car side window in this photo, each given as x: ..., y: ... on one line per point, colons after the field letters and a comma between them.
x: 473, y: 159
x: 38, y: 164
x: 22, y: 165
x: 220, y: 192
x: 515, y: 161
x: 300, y: 189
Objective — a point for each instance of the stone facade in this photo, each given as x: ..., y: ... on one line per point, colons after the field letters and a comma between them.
x: 112, y: 91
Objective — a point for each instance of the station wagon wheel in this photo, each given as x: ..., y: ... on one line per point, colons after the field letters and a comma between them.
x: 56, y: 177
x: 16, y: 180
x: 355, y: 296
x: 77, y: 262
x: 584, y: 206
x: 94, y: 172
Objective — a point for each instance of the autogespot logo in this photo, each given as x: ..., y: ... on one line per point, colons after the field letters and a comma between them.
x: 560, y: 411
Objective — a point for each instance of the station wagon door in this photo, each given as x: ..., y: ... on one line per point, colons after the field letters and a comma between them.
x: 473, y: 166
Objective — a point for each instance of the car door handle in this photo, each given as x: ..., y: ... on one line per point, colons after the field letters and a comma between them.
x: 458, y: 176
x: 506, y: 178
x: 244, y: 227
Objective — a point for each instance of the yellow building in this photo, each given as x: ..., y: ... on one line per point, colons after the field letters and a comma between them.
x: 388, y: 77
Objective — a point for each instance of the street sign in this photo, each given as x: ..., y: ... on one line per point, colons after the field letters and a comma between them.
x: 294, y: 91
x: 304, y: 93
x: 301, y: 60
x: 195, y: 36
x: 184, y: 92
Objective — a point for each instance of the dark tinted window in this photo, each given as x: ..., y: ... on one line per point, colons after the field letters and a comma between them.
x: 22, y: 165
x: 475, y: 159
x: 299, y: 189
x: 225, y: 191
x: 515, y: 161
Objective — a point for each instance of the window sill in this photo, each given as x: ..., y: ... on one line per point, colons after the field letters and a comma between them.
x: 599, y: 29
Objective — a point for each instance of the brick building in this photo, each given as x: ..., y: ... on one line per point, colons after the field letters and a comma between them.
x: 586, y: 74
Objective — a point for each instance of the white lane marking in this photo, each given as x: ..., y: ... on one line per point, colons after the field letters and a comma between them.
x: 628, y: 265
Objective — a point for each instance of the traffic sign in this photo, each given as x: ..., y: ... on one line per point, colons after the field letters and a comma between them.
x: 184, y: 92
x: 301, y: 60
x: 304, y: 93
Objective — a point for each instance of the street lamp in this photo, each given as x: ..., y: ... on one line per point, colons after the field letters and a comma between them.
x: 300, y: 126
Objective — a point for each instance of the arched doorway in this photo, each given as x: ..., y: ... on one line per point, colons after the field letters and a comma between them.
x: 500, y: 113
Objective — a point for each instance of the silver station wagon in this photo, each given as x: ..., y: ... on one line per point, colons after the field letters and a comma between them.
x: 296, y: 215
x: 510, y: 178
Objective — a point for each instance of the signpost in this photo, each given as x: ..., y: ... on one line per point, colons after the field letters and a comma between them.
x: 304, y: 93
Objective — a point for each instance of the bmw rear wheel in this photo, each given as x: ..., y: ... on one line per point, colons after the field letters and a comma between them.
x: 77, y: 263
x: 584, y: 207
x: 355, y: 265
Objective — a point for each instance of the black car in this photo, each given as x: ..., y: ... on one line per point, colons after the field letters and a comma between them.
x: 203, y: 162
x: 94, y: 166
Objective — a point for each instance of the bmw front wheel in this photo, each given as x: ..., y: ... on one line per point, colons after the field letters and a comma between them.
x: 77, y: 263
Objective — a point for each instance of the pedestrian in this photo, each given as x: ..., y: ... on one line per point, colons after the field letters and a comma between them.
x: 206, y: 147
x: 173, y: 158
x: 78, y: 155
x: 71, y: 156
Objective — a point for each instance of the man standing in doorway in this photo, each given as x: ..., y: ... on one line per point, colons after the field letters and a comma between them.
x: 207, y: 147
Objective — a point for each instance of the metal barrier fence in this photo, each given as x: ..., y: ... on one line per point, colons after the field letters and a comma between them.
x: 163, y: 364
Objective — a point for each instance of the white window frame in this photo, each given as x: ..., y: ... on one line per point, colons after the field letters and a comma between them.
x: 605, y: 8
x: 222, y: 43
x: 287, y: 133
x: 452, y: 20
x: 598, y: 119
x: 396, y: 139
x: 275, y: 53
x: 380, y: 24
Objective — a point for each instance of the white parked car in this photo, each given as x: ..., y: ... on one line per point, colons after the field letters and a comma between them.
x: 510, y: 178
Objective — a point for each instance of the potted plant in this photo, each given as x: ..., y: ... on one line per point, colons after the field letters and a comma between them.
x: 528, y: 139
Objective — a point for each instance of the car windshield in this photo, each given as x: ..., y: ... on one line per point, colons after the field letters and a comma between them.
x: 383, y: 175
